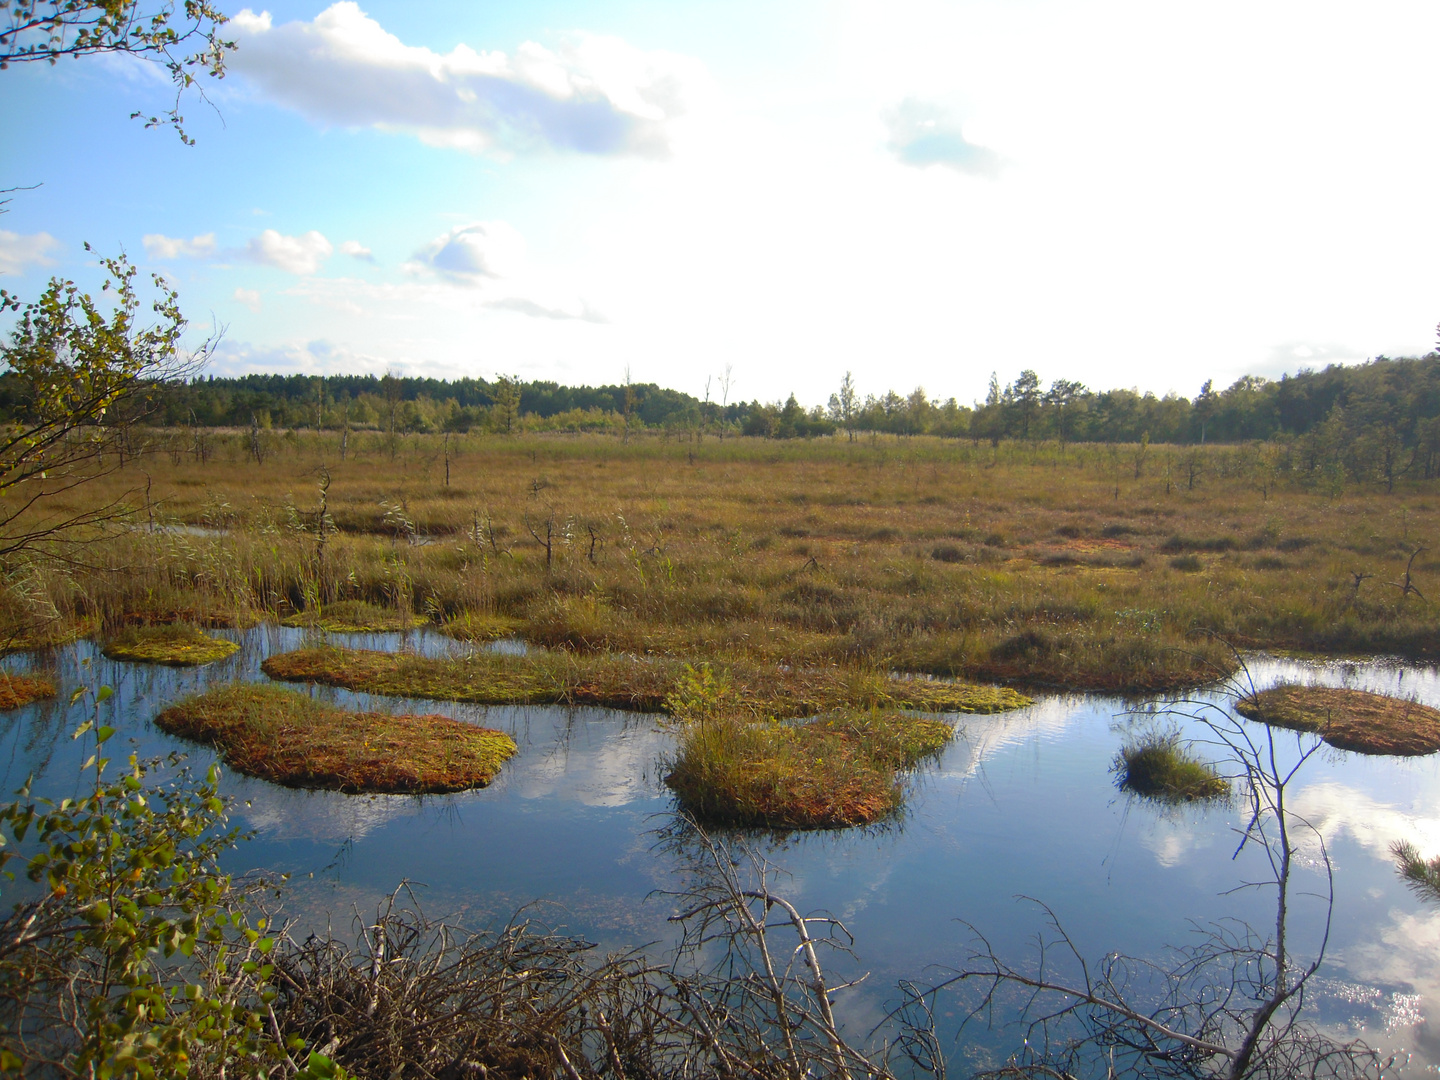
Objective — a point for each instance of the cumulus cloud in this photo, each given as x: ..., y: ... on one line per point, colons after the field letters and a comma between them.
x: 468, y: 254
x: 296, y: 254
x: 598, y: 96
x: 357, y: 250
x: 249, y: 297
x: 922, y: 135
x: 160, y: 246
x: 18, y: 252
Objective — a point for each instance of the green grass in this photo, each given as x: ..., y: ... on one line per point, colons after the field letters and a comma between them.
x: 831, y: 772
x: 292, y: 739
x: 1158, y: 767
x: 1421, y: 874
x: 176, y: 644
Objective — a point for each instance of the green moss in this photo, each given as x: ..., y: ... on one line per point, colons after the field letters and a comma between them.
x: 1158, y: 767
x: 292, y: 739
x: 354, y: 616
x: 176, y: 644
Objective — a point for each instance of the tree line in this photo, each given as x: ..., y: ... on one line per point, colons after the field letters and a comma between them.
x: 1391, y: 403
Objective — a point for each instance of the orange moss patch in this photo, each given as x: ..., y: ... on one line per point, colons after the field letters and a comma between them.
x: 1349, y: 719
x: 294, y: 740
x: 18, y: 690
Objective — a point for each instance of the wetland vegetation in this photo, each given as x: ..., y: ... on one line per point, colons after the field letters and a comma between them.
x: 291, y: 739
x: 1159, y: 766
x: 1348, y: 719
x: 179, y: 644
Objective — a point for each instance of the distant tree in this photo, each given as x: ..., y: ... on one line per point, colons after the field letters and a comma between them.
x: 1204, y: 405
x: 1025, y: 395
x: 46, y: 30
x: 506, y: 393
x: 1062, y: 395
x: 843, y: 403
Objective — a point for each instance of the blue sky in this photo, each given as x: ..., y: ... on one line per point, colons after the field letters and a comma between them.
x: 1123, y: 193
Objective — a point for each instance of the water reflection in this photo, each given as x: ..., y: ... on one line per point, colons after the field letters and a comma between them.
x: 1020, y: 803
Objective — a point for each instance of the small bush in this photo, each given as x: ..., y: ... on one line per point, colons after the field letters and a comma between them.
x: 947, y: 553
x: 1188, y: 564
x: 1158, y: 767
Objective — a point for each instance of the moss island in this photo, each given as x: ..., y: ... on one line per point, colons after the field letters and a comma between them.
x: 177, y: 644
x: 18, y: 690
x: 291, y: 739
x: 1349, y: 719
x: 829, y: 772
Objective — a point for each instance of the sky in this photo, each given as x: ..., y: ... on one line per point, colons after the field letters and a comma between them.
x: 921, y: 192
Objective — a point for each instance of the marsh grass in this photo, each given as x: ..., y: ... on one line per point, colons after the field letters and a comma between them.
x: 176, y: 644
x: 1157, y: 766
x: 623, y: 681
x: 1420, y: 873
x: 1021, y: 563
x: 355, y: 616
x: 830, y: 772
x: 291, y: 739
x: 18, y: 690
x: 1348, y: 719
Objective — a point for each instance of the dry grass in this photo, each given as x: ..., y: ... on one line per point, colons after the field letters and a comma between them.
x: 643, y: 684
x: 1028, y: 564
x: 1349, y: 719
x: 830, y: 772
x: 18, y: 690
x: 176, y: 644
x: 291, y: 739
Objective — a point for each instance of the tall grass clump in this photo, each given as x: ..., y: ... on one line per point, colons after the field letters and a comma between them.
x: 825, y: 773
x: 1157, y: 766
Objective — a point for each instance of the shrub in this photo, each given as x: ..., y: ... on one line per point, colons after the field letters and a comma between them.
x: 1158, y: 767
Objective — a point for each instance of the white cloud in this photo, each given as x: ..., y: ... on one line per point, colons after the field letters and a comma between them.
x: 249, y: 297
x: 160, y: 246
x: 536, y: 310
x: 357, y: 250
x: 598, y: 96
x: 19, y: 252
x: 468, y: 254
x: 922, y: 135
x: 296, y: 254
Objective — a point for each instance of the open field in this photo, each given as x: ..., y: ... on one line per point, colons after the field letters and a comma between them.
x: 1089, y: 567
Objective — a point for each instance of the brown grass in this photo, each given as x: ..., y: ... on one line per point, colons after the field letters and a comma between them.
x: 1349, y: 719
x: 18, y: 690
x: 831, y: 772
x: 644, y: 684
x: 1030, y: 564
x: 294, y: 740
x: 354, y: 616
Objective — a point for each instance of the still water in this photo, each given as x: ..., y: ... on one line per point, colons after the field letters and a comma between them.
x: 1021, y: 805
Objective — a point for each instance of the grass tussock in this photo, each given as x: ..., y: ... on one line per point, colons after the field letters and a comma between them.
x: 176, y: 644
x: 18, y: 690
x: 291, y: 739
x: 354, y: 616
x: 1157, y: 766
x: 1420, y: 873
x: 1349, y: 719
x: 643, y: 684
x: 831, y: 772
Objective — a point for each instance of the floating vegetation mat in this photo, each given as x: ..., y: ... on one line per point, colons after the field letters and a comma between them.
x: 177, y: 644
x: 18, y: 690
x: 1158, y: 767
x: 289, y: 738
x: 354, y: 616
x: 1349, y: 719
x: 645, y: 684
x: 830, y: 772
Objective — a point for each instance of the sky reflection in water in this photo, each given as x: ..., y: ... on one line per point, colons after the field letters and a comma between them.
x: 1020, y: 805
